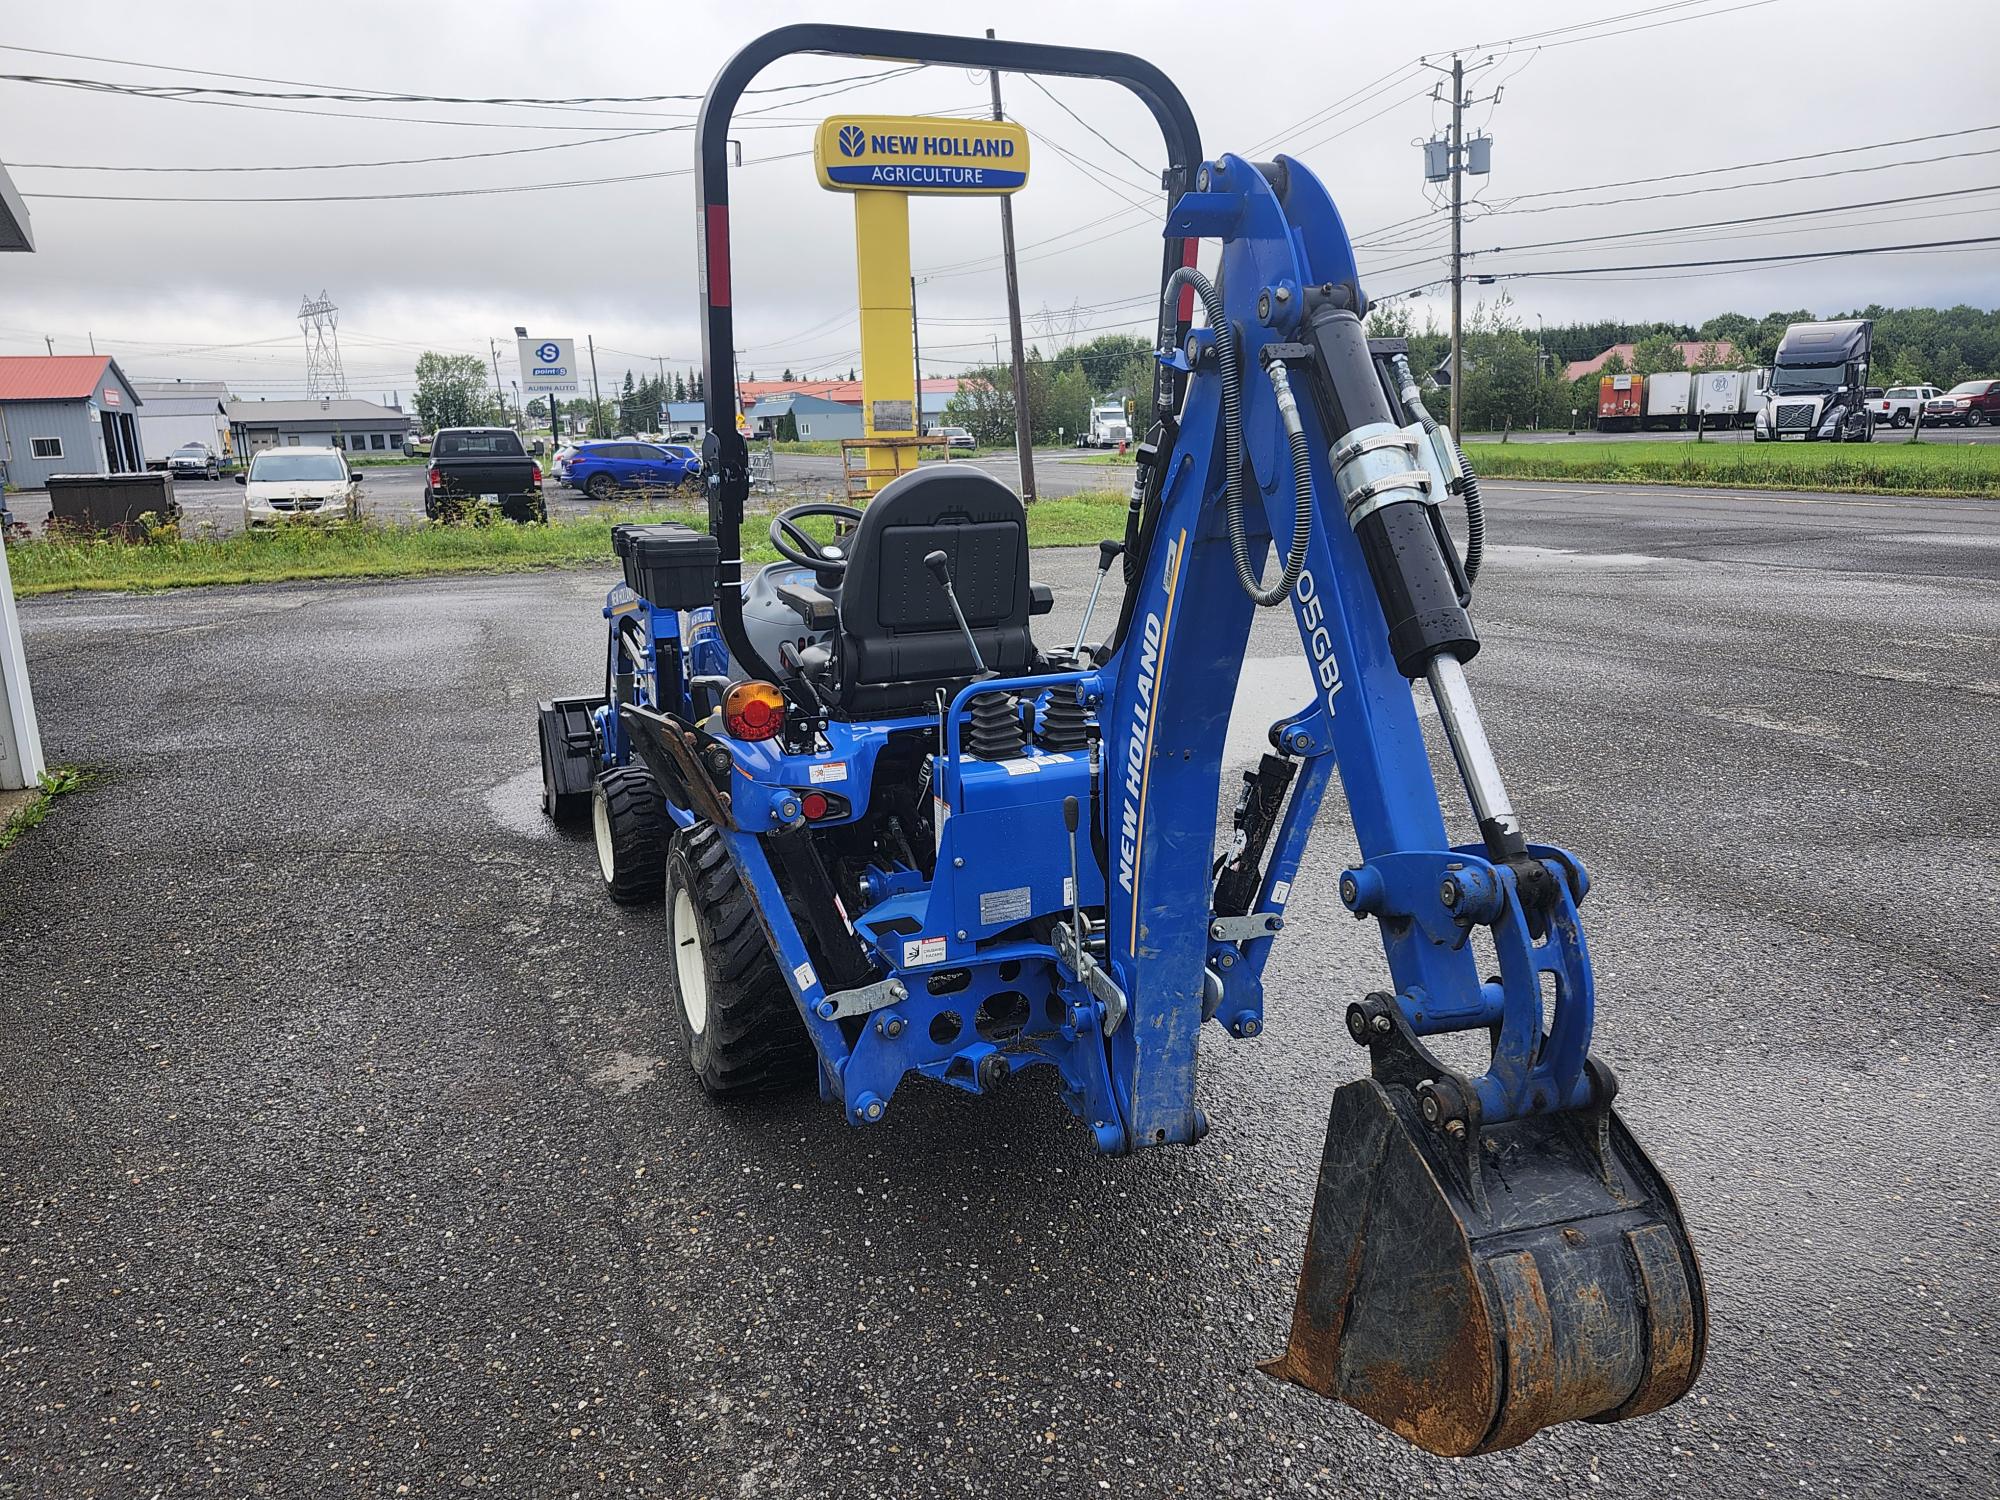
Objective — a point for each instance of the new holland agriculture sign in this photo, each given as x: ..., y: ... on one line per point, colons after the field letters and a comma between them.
x: 912, y: 154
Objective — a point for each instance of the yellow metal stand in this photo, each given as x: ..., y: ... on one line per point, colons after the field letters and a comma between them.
x: 889, y: 406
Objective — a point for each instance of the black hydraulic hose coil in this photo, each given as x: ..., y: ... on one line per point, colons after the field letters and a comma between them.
x: 1468, y: 481
x: 1232, y: 448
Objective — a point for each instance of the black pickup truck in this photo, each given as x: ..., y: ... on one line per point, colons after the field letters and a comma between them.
x: 473, y: 464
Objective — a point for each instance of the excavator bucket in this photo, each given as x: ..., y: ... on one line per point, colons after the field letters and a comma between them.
x: 1467, y: 1291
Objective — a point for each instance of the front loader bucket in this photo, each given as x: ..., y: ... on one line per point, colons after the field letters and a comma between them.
x: 1468, y: 1292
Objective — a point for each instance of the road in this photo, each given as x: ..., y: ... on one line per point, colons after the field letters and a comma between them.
x: 344, y: 1144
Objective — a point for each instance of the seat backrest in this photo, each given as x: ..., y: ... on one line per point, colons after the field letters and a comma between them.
x: 898, y: 640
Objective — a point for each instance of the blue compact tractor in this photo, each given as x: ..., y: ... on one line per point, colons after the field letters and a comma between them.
x: 905, y: 841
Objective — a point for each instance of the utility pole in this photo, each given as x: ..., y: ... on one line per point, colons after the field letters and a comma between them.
x: 51, y: 343
x: 1539, y: 360
x: 596, y: 396
x: 1457, y: 230
x: 499, y: 390
x: 917, y: 358
x: 1454, y: 162
x: 1024, y: 431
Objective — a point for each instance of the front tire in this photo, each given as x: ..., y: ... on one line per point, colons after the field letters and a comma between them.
x: 741, y: 1031
x: 629, y: 818
x: 1976, y: 419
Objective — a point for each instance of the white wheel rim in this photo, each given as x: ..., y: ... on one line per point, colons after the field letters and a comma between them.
x: 600, y: 822
x: 689, y: 971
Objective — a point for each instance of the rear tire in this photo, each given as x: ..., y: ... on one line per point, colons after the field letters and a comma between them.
x: 741, y: 1030
x: 629, y: 818
x: 602, y: 488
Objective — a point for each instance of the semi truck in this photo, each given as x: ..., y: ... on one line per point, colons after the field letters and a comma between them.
x: 1819, y: 385
x: 1109, y: 426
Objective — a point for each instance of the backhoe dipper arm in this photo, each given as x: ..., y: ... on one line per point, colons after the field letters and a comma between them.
x: 1489, y: 1254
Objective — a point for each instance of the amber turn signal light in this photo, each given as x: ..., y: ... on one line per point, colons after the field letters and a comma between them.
x: 753, y: 710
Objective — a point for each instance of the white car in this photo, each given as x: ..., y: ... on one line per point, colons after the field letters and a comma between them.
x: 297, y: 484
x: 1898, y: 406
x: 954, y: 437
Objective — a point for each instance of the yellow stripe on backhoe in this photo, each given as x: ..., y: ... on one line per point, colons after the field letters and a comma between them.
x: 1152, y: 721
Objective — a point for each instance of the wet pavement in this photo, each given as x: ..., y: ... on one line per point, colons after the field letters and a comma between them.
x: 345, y: 1148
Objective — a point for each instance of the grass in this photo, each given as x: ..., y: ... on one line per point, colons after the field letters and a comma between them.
x: 1879, y: 468
x: 59, y: 782
x: 289, y: 554
x: 1114, y: 457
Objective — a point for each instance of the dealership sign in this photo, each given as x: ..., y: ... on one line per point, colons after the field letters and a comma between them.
x: 548, y: 365
x: 913, y: 154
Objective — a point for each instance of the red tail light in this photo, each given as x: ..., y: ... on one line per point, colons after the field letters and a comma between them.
x: 436, y: 479
x: 753, y: 710
x: 538, y: 473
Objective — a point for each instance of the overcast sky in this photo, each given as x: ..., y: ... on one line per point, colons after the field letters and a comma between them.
x: 212, y: 290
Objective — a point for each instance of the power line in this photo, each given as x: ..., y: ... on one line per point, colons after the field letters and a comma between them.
x: 358, y: 94
x: 1728, y: 187
x: 470, y: 192
x: 1797, y: 213
x: 1739, y: 260
x: 342, y: 166
x: 1149, y: 171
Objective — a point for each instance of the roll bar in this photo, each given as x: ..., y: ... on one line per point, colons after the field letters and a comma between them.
x: 725, y: 455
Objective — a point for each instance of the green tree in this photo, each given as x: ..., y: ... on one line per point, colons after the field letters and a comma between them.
x: 1656, y: 352
x: 451, y: 391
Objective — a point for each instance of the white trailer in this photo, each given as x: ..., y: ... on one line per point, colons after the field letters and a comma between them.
x: 1756, y: 386
x: 1667, y: 399
x: 1718, y: 397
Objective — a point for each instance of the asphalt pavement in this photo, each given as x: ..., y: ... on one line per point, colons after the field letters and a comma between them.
x: 345, y: 1148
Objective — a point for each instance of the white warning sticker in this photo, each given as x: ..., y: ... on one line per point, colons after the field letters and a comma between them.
x: 805, y: 976
x: 1004, y: 908
x: 824, y: 771
x: 1022, y: 767
x: 918, y: 951
x: 1280, y: 891
x: 1069, y: 891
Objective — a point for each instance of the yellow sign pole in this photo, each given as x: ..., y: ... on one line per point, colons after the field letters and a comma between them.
x: 884, y: 161
x: 889, y: 406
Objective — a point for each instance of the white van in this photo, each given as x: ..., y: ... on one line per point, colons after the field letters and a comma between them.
x: 292, y: 484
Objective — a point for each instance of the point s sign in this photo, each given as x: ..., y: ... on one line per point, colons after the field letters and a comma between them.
x: 547, y: 365
x: 915, y: 154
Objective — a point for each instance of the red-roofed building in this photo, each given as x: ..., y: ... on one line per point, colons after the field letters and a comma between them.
x: 66, y: 414
x: 938, y: 391
x: 1725, y: 354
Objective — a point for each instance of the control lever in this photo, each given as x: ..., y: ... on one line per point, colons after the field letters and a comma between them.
x: 940, y: 568
x: 1075, y: 888
x: 1107, y: 553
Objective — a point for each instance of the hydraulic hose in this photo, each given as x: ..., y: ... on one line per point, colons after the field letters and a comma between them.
x: 1468, y: 482
x: 1228, y: 356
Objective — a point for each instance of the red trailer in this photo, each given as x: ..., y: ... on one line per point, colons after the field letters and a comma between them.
x: 1619, y: 402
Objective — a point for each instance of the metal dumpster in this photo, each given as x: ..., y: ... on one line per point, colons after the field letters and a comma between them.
x: 99, y: 503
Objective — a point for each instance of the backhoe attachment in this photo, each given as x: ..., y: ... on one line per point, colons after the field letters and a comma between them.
x: 1490, y: 1250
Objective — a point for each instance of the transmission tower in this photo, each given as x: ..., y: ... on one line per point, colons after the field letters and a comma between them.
x: 320, y: 323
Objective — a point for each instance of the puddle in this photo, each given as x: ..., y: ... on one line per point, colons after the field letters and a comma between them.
x: 516, y: 805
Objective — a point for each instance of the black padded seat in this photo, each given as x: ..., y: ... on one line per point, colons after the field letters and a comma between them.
x: 898, y: 641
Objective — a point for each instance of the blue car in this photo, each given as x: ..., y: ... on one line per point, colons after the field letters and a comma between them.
x: 602, y: 469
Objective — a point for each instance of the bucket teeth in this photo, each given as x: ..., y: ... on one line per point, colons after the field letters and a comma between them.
x: 1467, y: 1295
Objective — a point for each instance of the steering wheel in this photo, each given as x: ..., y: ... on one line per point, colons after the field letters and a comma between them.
x: 795, y: 545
